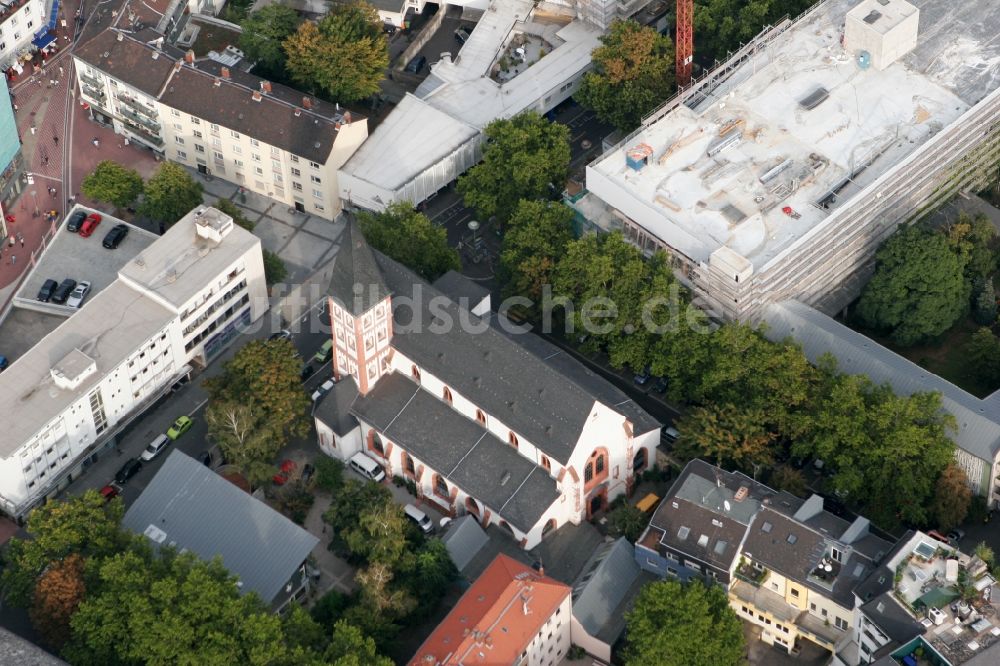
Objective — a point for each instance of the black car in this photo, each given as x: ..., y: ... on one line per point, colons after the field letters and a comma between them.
x: 114, y: 237
x: 642, y: 378
x: 48, y: 288
x: 462, y: 35
x: 661, y: 385
x: 307, y: 474
x: 63, y: 291
x: 75, y: 220
x: 417, y: 64
x: 307, y: 372
x: 205, y: 458
x: 128, y: 470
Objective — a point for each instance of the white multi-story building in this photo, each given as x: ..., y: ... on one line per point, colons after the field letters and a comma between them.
x: 501, y: 426
x: 20, y: 22
x: 223, y: 122
x: 177, y: 303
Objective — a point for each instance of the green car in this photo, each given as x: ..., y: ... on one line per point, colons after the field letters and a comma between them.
x: 180, y: 426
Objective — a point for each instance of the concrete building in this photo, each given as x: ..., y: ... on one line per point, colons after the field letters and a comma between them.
x: 22, y: 22
x: 11, y: 159
x: 778, y: 174
x: 435, y: 135
x: 512, y: 614
x: 497, y: 424
x: 789, y: 566
x: 977, y: 433
x: 223, y: 122
x: 176, y: 304
x: 191, y: 508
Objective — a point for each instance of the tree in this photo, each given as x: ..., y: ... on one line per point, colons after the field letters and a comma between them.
x: 789, y: 479
x: 231, y: 209
x: 379, y: 534
x: 350, y: 647
x: 675, y: 624
x: 728, y: 435
x: 170, y: 194
x: 410, y: 238
x: 329, y: 474
x: 985, y: 310
x: 274, y: 268
x: 633, y: 74
x: 59, y: 591
x: 354, y: 497
x: 245, y: 437
x: 344, y: 55
x: 951, y: 497
x: 973, y: 238
x: 432, y: 573
x: 628, y: 521
x: 918, y: 290
x: 534, y: 242
x: 264, y: 32
x: 86, y: 526
x: 265, y: 376
x: 113, y: 183
x: 982, y: 356
x: 526, y: 157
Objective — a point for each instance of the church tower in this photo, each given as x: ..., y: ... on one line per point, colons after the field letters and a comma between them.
x: 360, y: 308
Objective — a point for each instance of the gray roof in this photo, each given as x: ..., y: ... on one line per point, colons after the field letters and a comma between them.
x: 456, y: 286
x: 978, y: 427
x: 356, y: 282
x: 496, y: 371
x: 603, y: 584
x: 334, y: 408
x: 463, y: 539
x: 191, y: 507
x: 17, y: 651
x: 886, y: 613
x: 881, y: 579
x: 464, y: 452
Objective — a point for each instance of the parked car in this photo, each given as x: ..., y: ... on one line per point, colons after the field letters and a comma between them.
x: 419, y: 517
x: 307, y: 473
x: 75, y: 220
x: 956, y: 535
x: 114, y: 237
x: 110, y: 491
x: 128, y: 470
x: 205, y: 458
x: 155, y: 448
x: 307, y: 371
x: 417, y: 64
x: 48, y: 288
x: 934, y: 534
x: 324, y: 354
x: 283, y: 334
x: 180, y: 426
x: 75, y: 299
x: 670, y: 434
x: 661, y: 385
x: 321, y: 391
x: 3, y: 363
x: 642, y: 377
x: 388, y: 28
x: 63, y: 291
x: 462, y: 35
x: 284, y: 472
x: 90, y: 225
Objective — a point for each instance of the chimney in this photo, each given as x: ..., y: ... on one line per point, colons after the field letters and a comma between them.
x: 225, y: 72
x: 265, y: 87
x: 217, y: 82
x: 347, y: 117
x: 156, y: 55
x: 257, y: 96
x: 189, y: 57
x: 298, y: 112
x: 121, y: 37
x: 307, y: 103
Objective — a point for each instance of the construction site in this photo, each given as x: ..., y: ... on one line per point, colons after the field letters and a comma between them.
x: 777, y: 175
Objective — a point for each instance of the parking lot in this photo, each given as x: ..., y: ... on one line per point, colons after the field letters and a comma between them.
x: 70, y: 255
x: 443, y: 40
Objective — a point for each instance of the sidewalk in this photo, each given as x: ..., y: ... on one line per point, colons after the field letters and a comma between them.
x: 335, y: 573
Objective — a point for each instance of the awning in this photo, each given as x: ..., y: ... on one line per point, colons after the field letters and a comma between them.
x: 45, y: 40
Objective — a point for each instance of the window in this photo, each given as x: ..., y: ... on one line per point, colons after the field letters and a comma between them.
x: 260, y: 171
x: 31, y: 23
x: 446, y: 395
x: 217, y: 143
x: 181, y: 155
x: 296, y: 172
x: 175, y: 113
x: 235, y: 135
x: 841, y: 624
x: 179, y: 140
x: 276, y: 165
x: 318, y: 194
x: 314, y: 165
x: 441, y: 486
x: 213, y: 127
x: 195, y: 121
x: 254, y: 142
x: 600, y: 464
x: 238, y: 163
x: 316, y: 179
x: 197, y: 134
x: 795, y: 592
x: 178, y: 126
x: 296, y: 186
x: 639, y: 461
x: 237, y: 150
x: 377, y: 445
x: 408, y: 464
x: 294, y: 158
x: 218, y: 155
x: 198, y: 148
x: 255, y: 157
x: 588, y: 473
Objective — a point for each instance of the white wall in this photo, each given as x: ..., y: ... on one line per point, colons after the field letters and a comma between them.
x: 20, y: 28
x: 544, y: 650
x: 594, y: 646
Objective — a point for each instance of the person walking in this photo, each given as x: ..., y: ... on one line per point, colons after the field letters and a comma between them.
x: 55, y: 139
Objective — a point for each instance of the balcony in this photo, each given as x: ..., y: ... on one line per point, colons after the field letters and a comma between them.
x: 92, y: 92
x: 137, y: 107
x: 765, y: 601
x: 91, y: 80
x: 143, y: 135
x: 748, y: 574
x: 822, y: 631
x: 145, y: 124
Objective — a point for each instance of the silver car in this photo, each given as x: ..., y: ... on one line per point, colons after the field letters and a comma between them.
x: 75, y: 299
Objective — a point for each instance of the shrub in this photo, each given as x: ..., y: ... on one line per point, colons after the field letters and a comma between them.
x: 329, y: 473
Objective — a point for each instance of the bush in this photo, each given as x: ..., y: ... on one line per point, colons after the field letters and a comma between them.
x: 978, y: 511
x: 329, y: 473
x: 274, y: 268
x: 627, y: 521
x: 398, y: 481
x: 330, y: 608
x: 576, y: 652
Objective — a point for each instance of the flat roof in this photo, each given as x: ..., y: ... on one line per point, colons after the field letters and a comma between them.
x: 181, y: 252
x: 108, y: 328
x: 784, y: 154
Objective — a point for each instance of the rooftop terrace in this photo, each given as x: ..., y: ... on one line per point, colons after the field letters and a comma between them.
x: 801, y: 126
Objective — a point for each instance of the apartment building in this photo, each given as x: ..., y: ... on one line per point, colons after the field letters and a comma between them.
x: 219, y: 120
x: 512, y: 614
x: 789, y: 566
x: 779, y: 173
x: 21, y: 22
x: 175, y: 305
x: 500, y: 425
x: 11, y: 158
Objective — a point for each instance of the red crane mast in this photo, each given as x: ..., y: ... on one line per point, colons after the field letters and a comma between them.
x: 684, y: 43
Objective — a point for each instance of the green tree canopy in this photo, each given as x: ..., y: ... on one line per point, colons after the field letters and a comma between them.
x: 524, y: 158
x: 918, y: 291
x: 170, y: 194
x: 675, y: 624
x: 975, y: 241
x: 727, y: 435
x: 350, y: 647
x: 274, y: 268
x: 952, y: 496
x: 721, y: 26
x: 982, y: 356
x: 245, y: 436
x: 535, y: 240
x: 113, y: 183
x: 633, y: 74
x: 411, y: 239
x: 264, y: 32
x: 344, y: 55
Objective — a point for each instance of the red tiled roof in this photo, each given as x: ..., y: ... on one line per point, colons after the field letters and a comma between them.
x: 496, y: 619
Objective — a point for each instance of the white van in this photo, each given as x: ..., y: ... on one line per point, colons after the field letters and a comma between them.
x: 366, y: 467
x: 419, y: 517
x: 155, y: 448
x: 671, y: 434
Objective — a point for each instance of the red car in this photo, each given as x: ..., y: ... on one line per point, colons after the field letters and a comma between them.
x: 284, y: 473
x: 109, y: 492
x: 90, y: 225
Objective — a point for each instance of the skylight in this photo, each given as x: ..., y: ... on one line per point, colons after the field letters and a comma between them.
x: 792, y: 538
x: 720, y: 546
x: 766, y: 527
x: 683, y: 532
x: 703, y: 540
